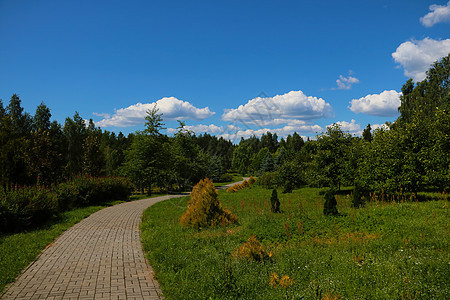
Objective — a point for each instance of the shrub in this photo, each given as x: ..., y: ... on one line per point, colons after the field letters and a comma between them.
x: 86, y: 190
x: 67, y: 194
x: 359, y: 196
x: 268, y: 179
x: 251, y: 250
x: 226, y: 178
x: 22, y: 207
x: 330, y: 205
x: 239, y: 186
x: 274, y: 202
x: 204, y: 208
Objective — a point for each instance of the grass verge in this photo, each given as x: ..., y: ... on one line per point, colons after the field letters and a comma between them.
x: 18, y: 250
x: 381, y: 251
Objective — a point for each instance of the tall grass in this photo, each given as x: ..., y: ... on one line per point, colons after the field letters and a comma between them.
x: 386, y: 250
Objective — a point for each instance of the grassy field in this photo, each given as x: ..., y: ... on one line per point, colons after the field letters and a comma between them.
x: 382, y: 251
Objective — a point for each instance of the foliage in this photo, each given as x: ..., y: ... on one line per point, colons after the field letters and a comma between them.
x: 268, y: 179
x: 86, y: 191
x: 204, y: 208
x: 330, y: 205
x: 22, y: 207
x: 226, y: 177
x: 274, y: 202
x: 332, y: 160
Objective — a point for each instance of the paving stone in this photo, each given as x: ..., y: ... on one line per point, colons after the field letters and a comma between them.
x: 99, y: 258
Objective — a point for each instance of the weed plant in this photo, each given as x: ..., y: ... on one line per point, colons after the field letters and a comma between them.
x: 385, y: 250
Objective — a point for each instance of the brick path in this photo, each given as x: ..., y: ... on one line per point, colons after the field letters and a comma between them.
x: 99, y: 258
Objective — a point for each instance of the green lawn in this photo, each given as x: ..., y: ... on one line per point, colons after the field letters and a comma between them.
x: 236, y: 178
x: 18, y: 250
x: 382, y: 251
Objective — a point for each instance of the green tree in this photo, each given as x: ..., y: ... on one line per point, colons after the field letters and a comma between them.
x: 367, y: 133
x: 332, y: 159
x: 75, y: 133
x: 242, y: 158
x: 144, y: 160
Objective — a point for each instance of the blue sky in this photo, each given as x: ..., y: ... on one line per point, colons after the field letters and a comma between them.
x: 311, y: 63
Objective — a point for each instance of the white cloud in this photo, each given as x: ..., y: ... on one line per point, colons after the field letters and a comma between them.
x: 345, y: 83
x: 170, y: 107
x: 281, y: 132
x: 234, y: 133
x: 379, y: 126
x: 293, y: 107
x: 214, y: 129
x: 385, y: 104
x: 416, y: 57
x: 437, y: 14
x: 351, y: 126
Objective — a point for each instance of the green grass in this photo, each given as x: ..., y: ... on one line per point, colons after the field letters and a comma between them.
x: 145, y: 196
x: 18, y: 250
x: 382, y: 251
x: 236, y: 178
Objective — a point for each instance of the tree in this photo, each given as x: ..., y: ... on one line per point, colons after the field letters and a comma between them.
x: 2, y: 110
x: 144, y: 160
x: 274, y: 202
x: 330, y: 205
x: 367, y: 135
x: 41, y: 119
x: 20, y: 122
x: 332, y: 158
x: 267, y: 164
x: 75, y: 133
x: 242, y: 158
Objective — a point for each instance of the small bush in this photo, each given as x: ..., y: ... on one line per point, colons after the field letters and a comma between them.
x: 85, y: 190
x: 274, y: 202
x: 359, y: 197
x: 226, y: 178
x: 330, y: 205
x: 67, y: 194
x: 239, y: 186
x: 268, y: 180
x: 204, y: 208
x: 251, y: 250
x: 23, y: 207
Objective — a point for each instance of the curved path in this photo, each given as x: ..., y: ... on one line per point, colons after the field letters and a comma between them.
x: 101, y: 257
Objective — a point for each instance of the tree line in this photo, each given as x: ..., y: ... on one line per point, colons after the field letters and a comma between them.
x: 36, y: 150
x: 410, y: 154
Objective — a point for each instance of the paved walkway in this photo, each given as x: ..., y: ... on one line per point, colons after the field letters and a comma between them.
x: 99, y: 258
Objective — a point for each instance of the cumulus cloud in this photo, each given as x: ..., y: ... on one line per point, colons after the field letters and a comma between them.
x: 293, y: 107
x: 351, y: 126
x: 234, y: 133
x: 281, y: 132
x: 437, y: 14
x: 213, y: 129
x: 345, y: 83
x: 170, y: 107
x: 416, y: 57
x: 385, y: 104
